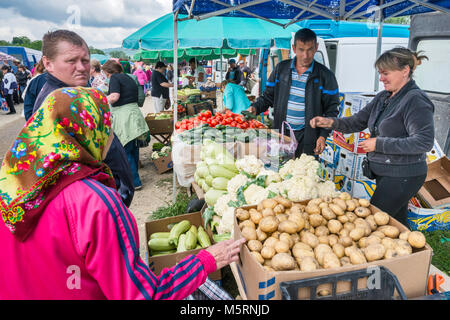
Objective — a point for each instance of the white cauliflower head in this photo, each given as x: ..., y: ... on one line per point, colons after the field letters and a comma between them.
x: 236, y: 182
x: 250, y: 165
x: 226, y: 222
x: 221, y: 205
x: 254, y: 194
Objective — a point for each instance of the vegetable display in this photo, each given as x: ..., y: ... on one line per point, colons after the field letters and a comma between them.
x: 183, y: 236
x: 327, y: 232
x: 164, y: 152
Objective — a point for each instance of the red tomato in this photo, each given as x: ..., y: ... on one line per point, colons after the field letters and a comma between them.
x: 234, y: 124
x: 214, y: 122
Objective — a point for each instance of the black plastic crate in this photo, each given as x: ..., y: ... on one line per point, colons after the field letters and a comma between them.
x: 203, y: 106
x: 388, y: 284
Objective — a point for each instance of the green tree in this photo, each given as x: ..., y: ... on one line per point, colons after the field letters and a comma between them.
x: 93, y: 50
x: 118, y: 54
x: 21, y: 41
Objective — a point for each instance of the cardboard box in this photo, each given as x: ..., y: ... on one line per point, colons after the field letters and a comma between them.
x: 357, y: 167
x: 163, y: 164
x: 436, y: 189
x: 436, y: 153
x: 198, y: 190
x: 158, y: 263
x: 326, y: 171
x: 328, y: 154
x: 352, y: 103
x: 255, y: 283
x: 159, y: 126
x: 345, y: 161
x: 208, y: 94
x: 424, y: 219
x: 363, y: 189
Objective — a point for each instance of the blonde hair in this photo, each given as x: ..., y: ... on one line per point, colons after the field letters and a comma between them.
x: 96, y: 65
x: 398, y: 58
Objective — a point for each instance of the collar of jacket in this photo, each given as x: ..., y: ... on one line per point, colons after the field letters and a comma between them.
x: 55, y: 82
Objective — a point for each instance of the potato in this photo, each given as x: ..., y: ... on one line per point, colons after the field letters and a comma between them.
x: 378, y: 234
x: 315, y: 220
x: 312, y: 209
x: 269, y: 269
x: 296, y: 209
x: 254, y: 245
x: 281, y: 217
x: 416, y: 239
x: 269, y: 203
x: 270, y: 242
x: 362, y: 243
x: 267, y: 212
x: 332, y: 239
x: 349, y: 226
x: 321, y: 231
x: 404, y: 235
x: 320, y: 251
x: 402, y: 247
x: 242, y: 214
x: 260, y: 207
x: 308, y: 264
x: 388, y: 243
x: 283, y: 201
x: 283, y: 261
x: 249, y: 233
x: 374, y: 252
x: 362, y: 212
x: 261, y: 235
x: 344, y: 232
x: 298, y: 219
x: 255, y: 216
x: 328, y: 214
x: 315, y: 201
x: 295, y: 238
x: 357, y: 256
x: 349, y: 250
x: 281, y: 246
x: 268, y: 224
x: 330, y: 260
x: 302, y: 245
x: 364, y: 203
x: 287, y: 211
x: 367, y: 241
x: 288, y: 226
x: 301, y: 253
x: 338, y: 250
x: 324, y: 222
x: 356, y: 233
x: 276, y: 234
x: 390, y: 253
x: 267, y: 262
x: 345, y: 196
x: 334, y: 226
x: 345, y: 261
x: 323, y: 239
x: 258, y: 257
x: 389, y: 231
x: 343, y: 219
x: 351, y: 216
x: 341, y: 203
x: 381, y: 218
x: 286, y: 237
x: 310, y: 239
x: 336, y: 209
x: 361, y: 223
x: 323, y: 205
x: 351, y: 205
x: 247, y: 223
x: 267, y: 252
x: 346, y: 241
x: 371, y: 222
x: 279, y: 208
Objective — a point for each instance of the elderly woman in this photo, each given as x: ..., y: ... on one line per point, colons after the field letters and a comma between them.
x: 129, y: 123
x: 400, y: 120
x: 66, y: 232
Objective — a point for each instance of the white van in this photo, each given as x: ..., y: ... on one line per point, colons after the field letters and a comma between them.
x: 352, y: 61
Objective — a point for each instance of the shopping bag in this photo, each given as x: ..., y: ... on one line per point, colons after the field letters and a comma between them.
x: 3, y: 105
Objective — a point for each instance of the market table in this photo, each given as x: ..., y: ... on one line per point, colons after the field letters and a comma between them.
x: 160, y: 129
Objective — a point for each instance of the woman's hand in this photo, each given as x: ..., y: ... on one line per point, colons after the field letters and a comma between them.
x: 321, y: 122
x: 369, y: 145
x: 226, y: 252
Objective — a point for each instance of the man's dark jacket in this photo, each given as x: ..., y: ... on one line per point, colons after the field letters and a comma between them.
x: 116, y: 158
x: 321, y: 99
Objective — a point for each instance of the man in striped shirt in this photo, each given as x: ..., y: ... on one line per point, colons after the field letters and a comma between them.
x: 299, y: 89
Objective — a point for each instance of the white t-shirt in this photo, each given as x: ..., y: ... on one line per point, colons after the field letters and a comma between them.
x: 198, y: 70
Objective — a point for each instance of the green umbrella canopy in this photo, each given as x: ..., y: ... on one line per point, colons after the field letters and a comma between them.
x: 216, y: 32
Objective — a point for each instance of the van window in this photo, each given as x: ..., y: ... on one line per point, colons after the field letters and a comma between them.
x: 429, y: 75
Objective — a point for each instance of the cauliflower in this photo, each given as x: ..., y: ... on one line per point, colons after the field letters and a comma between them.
x: 236, y: 182
x: 272, y: 176
x: 250, y: 165
x: 254, y: 194
x: 155, y: 155
x: 226, y: 222
x: 276, y: 187
x: 166, y: 150
x: 303, y: 166
x: 221, y: 205
x: 327, y: 188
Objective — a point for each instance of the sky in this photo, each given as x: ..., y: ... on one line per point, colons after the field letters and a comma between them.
x: 102, y: 23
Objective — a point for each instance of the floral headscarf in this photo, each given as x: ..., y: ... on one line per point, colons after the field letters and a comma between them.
x: 60, y: 144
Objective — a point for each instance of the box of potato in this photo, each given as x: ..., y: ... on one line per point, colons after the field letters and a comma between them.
x: 291, y: 241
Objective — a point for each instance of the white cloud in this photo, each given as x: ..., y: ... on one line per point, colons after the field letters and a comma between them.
x: 102, y: 23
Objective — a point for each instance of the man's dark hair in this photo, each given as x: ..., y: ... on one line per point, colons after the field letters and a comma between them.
x: 160, y: 64
x: 305, y: 35
x: 5, y: 67
x: 52, y: 38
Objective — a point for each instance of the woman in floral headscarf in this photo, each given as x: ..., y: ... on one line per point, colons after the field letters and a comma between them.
x: 66, y: 232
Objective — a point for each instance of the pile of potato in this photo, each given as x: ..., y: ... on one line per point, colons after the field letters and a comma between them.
x: 325, y: 233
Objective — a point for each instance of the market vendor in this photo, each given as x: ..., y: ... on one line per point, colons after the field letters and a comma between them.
x: 234, y: 73
x: 234, y: 97
x: 198, y: 74
x: 67, y: 234
x: 400, y: 120
x: 298, y: 90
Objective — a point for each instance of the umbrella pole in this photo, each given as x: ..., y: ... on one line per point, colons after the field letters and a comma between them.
x: 379, y: 42
x: 175, y: 90
x: 221, y: 71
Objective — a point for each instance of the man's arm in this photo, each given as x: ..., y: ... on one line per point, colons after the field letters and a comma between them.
x: 266, y: 100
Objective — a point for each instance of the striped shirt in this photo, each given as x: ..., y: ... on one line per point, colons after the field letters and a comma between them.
x: 295, y: 115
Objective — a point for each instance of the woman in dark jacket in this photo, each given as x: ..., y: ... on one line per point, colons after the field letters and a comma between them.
x: 400, y: 120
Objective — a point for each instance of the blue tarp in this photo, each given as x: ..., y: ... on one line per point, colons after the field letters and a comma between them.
x: 322, y: 9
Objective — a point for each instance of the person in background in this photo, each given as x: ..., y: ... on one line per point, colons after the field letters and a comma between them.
x: 160, y: 87
x: 62, y: 215
x: 170, y: 77
x: 129, y: 123
x: 34, y: 68
x: 148, y: 73
x: 98, y: 78
x: 246, y: 72
x: 141, y: 76
x: 22, y: 76
x: 9, y: 84
x: 198, y: 74
x: 234, y: 97
x: 233, y: 74
x: 400, y: 120
x: 299, y: 89
x: 33, y: 89
x: 66, y: 58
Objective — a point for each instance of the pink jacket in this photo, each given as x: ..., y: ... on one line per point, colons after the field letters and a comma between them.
x: 142, y: 77
x: 86, y: 246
